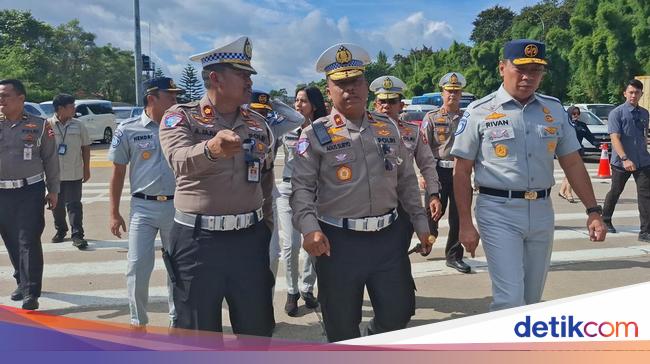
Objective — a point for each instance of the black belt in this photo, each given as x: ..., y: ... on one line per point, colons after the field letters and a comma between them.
x: 528, y: 195
x: 286, y: 179
x: 153, y: 198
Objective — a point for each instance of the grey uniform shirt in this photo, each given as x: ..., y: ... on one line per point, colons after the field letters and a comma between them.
x: 289, y: 142
x: 417, y: 144
x: 215, y: 187
x: 27, y: 148
x: 440, y: 126
x: 631, y: 123
x: 136, y: 142
x: 348, y: 178
x: 74, y: 135
x: 512, y: 144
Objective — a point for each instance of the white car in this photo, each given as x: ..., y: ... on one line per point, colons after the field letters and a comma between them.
x: 34, y: 109
x: 126, y: 112
x: 597, y: 127
x: 96, y: 115
x: 600, y: 110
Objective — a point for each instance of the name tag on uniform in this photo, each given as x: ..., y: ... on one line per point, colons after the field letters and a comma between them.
x: 498, y: 134
x: 27, y: 153
x: 62, y: 149
x: 253, y: 171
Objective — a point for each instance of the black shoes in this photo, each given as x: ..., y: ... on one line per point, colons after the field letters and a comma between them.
x: 645, y: 237
x: 291, y: 307
x: 17, y: 295
x: 58, y: 237
x: 30, y: 303
x: 459, y: 265
x: 310, y: 300
x: 610, y: 227
x: 80, y: 243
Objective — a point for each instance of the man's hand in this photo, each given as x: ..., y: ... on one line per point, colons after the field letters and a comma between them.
x: 86, y: 175
x: 426, y: 243
x: 225, y: 144
x: 596, y: 227
x: 117, y: 222
x: 51, y: 200
x: 468, y: 236
x: 316, y: 244
x: 629, y: 166
x: 435, y: 206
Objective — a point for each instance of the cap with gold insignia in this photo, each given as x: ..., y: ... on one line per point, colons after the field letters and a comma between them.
x: 238, y: 54
x: 387, y: 87
x: 452, y: 81
x: 343, y: 60
x: 525, y: 51
x: 160, y: 84
x: 261, y: 100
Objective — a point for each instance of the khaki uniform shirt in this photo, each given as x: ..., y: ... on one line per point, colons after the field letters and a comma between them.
x: 27, y: 148
x: 348, y: 178
x: 440, y: 126
x: 416, y: 143
x: 74, y: 135
x: 215, y: 187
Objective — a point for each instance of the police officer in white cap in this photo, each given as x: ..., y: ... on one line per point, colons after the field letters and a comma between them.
x: 440, y: 125
x: 350, y: 173
x: 389, y: 91
x: 510, y: 139
x: 222, y: 226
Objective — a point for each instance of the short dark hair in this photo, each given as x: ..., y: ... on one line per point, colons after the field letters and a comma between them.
x: 152, y: 93
x: 635, y: 83
x: 205, y: 73
x: 316, y: 100
x: 18, y: 86
x: 62, y: 100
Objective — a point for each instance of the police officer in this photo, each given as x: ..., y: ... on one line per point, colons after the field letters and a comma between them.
x: 136, y: 143
x: 351, y: 172
x: 440, y: 125
x: 389, y: 91
x: 222, y: 225
x: 28, y: 162
x: 510, y: 138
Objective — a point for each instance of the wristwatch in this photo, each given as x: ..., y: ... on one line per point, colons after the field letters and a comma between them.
x: 597, y: 209
x: 623, y: 158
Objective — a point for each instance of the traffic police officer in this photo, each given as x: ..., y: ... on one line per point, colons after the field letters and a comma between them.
x: 440, y: 126
x: 510, y: 137
x: 351, y: 172
x: 389, y: 91
x: 27, y: 158
x: 222, y: 225
x: 152, y: 182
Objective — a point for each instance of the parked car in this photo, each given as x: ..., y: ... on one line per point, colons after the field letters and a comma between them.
x: 47, y: 108
x: 34, y: 109
x: 126, y: 112
x: 597, y: 127
x: 601, y: 110
x: 420, y: 107
x: 97, y: 116
x: 414, y: 116
x: 435, y: 98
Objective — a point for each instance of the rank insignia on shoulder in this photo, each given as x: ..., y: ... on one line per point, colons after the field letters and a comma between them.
x: 207, y: 110
x: 338, y: 120
x: 172, y: 120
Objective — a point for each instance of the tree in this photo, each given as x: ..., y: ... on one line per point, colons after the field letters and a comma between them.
x: 158, y: 73
x: 191, y: 84
x: 378, y: 68
x: 490, y: 24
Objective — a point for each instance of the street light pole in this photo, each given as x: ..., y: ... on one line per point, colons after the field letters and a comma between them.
x: 137, y: 54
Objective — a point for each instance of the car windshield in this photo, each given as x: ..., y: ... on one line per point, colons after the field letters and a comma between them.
x: 122, y: 114
x: 590, y: 119
x: 602, y: 111
x: 48, y: 109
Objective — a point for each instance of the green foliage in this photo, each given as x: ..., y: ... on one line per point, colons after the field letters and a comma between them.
x: 191, y: 83
x: 492, y: 23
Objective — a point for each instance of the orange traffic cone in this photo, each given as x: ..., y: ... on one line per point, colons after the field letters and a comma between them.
x: 603, y: 167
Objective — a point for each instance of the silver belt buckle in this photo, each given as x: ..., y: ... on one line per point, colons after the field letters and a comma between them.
x: 530, y: 195
x: 229, y: 222
x: 211, y: 222
x: 372, y: 223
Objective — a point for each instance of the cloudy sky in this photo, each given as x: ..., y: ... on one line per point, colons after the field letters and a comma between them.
x: 288, y: 36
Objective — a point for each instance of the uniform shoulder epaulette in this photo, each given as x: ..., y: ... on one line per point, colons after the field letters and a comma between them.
x: 432, y: 111
x: 552, y: 98
x: 130, y: 120
x: 481, y: 101
x: 187, y: 105
x: 380, y: 116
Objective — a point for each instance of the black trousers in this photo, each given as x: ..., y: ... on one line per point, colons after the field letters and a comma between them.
x: 619, y: 178
x: 22, y: 222
x: 208, y: 266
x: 70, y: 200
x: 453, y: 250
x: 374, y: 260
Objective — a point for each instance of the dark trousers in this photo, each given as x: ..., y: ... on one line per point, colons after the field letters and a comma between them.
x: 22, y: 222
x: 453, y: 250
x: 208, y: 266
x: 374, y: 260
x: 619, y: 178
x: 69, y: 199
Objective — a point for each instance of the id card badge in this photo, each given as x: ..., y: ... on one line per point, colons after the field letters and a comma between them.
x: 27, y: 153
x: 62, y: 149
x: 253, y: 171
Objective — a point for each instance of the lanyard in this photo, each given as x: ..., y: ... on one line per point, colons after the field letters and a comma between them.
x: 63, y: 132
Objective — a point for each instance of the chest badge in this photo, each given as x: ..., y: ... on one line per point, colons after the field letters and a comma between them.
x: 344, y: 173
x: 501, y: 150
x: 146, y: 155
